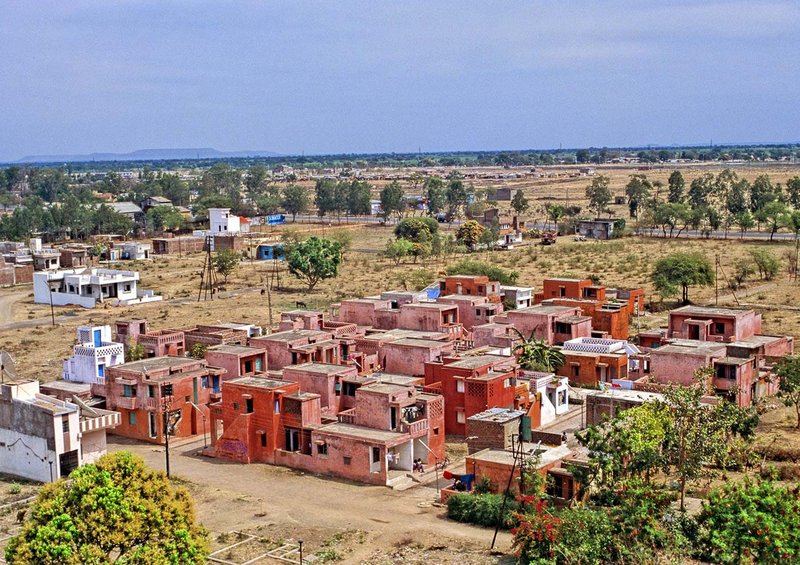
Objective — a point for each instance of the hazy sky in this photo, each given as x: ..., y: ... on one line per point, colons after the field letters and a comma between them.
x: 338, y: 76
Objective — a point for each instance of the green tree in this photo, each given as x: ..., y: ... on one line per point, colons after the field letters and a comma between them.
x: 469, y: 233
x: 680, y: 271
x: 315, y: 259
x: 787, y: 372
x: 638, y: 191
x: 700, y: 189
x: 744, y: 220
x: 537, y: 355
x: 295, y: 200
x: 457, y: 196
x: 256, y: 180
x: 436, y: 194
x: 793, y: 190
x: 358, y: 198
x: 599, y: 194
x: 325, y: 196
x: 495, y: 273
x: 767, y: 264
x: 397, y: 250
x: 676, y: 188
x: 226, y: 262
x: 491, y: 235
x: 392, y: 200
x: 172, y: 187
x: 198, y: 351
x: 114, y: 511
x: 161, y: 218
x: 554, y: 213
x: 417, y: 230
x: 772, y: 213
x: 750, y: 522
x: 762, y: 192
x: 135, y: 351
x: 519, y: 203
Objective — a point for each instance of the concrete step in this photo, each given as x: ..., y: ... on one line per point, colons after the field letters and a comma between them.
x: 403, y: 483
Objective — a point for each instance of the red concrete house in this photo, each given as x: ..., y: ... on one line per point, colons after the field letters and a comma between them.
x: 378, y: 313
x: 591, y: 361
x: 471, y: 285
x: 214, y: 335
x: 408, y: 356
x: 155, y: 343
x: 473, y: 310
x: 610, y: 318
x: 551, y: 323
x: 323, y: 379
x: 237, y: 360
x: 136, y: 390
x: 471, y: 385
x: 375, y: 442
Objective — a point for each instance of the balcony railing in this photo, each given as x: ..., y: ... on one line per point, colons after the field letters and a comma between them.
x: 347, y: 416
x: 127, y: 402
x: 417, y: 427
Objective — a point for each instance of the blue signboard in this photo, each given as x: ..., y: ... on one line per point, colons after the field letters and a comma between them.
x: 276, y: 219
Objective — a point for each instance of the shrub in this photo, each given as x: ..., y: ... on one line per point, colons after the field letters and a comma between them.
x: 495, y: 273
x: 481, y: 509
x: 750, y: 522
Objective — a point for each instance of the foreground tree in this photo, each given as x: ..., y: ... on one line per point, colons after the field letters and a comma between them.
x: 295, y: 200
x: 114, y: 511
x: 469, y: 233
x: 599, y: 194
x: 519, y: 203
x: 315, y: 259
x: 680, y: 271
x: 537, y: 355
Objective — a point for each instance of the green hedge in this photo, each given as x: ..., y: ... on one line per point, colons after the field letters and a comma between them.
x: 481, y: 509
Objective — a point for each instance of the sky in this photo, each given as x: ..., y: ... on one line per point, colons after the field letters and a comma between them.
x: 342, y: 77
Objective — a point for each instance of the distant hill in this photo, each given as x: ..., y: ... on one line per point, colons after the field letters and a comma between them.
x: 149, y: 155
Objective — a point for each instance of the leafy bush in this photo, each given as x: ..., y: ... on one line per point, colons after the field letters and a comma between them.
x: 481, y: 509
x: 767, y: 264
x: 750, y: 522
x: 494, y: 272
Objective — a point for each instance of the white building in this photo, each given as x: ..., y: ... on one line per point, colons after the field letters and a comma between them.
x: 133, y: 251
x: 605, y: 345
x: 520, y: 296
x: 94, y: 352
x: 43, y: 438
x: 88, y: 286
x: 553, y: 390
x: 221, y: 221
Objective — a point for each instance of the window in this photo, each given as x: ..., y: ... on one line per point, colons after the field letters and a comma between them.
x: 436, y: 431
x: 719, y: 328
x: 204, y: 382
x: 258, y: 364
x: 506, y: 383
x: 235, y: 406
x: 248, y: 405
x: 459, y: 385
x: 337, y: 389
x: 151, y: 391
x: 376, y: 454
x: 350, y: 389
x: 576, y: 370
x: 562, y: 291
x: 460, y: 416
x: 562, y: 328
x: 322, y: 449
x: 128, y: 391
x: 128, y: 287
x: 347, y: 460
x: 151, y: 420
x: 477, y: 312
x: 263, y: 439
x: 248, y: 366
x: 65, y: 425
x: 132, y: 418
x: 277, y: 406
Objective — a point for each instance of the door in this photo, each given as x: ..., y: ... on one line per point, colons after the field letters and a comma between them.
x: 98, y: 338
x: 393, y: 419
x: 151, y: 427
x: 68, y: 462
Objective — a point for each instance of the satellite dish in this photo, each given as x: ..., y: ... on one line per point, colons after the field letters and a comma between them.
x: 8, y: 368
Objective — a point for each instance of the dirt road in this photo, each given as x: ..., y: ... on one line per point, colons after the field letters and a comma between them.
x: 7, y: 301
x: 290, y: 504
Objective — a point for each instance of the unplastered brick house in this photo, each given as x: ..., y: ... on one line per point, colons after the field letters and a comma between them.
x: 470, y: 385
x: 155, y: 343
x: 137, y: 390
x: 375, y: 442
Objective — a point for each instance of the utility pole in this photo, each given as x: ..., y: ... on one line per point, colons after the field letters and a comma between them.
x: 166, y: 405
x: 716, y: 281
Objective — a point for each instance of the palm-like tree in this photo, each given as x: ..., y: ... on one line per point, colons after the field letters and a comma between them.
x: 537, y: 355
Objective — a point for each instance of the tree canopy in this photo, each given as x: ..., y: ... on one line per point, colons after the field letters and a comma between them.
x: 680, y: 271
x: 315, y: 259
x: 114, y: 511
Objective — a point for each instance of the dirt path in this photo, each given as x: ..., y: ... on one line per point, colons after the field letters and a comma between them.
x: 232, y: 496
x: 7, y: 302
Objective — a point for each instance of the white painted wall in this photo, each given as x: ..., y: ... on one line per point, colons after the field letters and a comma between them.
x: 26, y: 456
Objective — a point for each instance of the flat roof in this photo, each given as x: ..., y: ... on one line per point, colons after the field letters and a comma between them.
x: 360, y: 432
x: 67, y: 386
x: 325, y: 368
x: 497, y: 415
x: 292, y: 334
x: 429, y: 305
x: 625, y: 394
x: 235, y: 349
x: 690, y: 346
x: 475, y: 361
x: 503, y: 456
x: 733, y: 360
x: 709, y: 311
x: 155, y: 363
x: 543, y: 309
x: 386, y: 388
x: 395, y: 379
x: 259, y: 382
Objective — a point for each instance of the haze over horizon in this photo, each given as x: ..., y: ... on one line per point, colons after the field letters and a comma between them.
x: 353, y: 77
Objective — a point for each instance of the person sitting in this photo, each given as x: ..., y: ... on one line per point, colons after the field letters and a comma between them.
x: 459, y: 485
